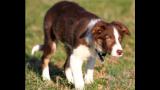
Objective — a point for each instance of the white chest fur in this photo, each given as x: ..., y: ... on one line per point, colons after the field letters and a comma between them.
x: 81, y: 52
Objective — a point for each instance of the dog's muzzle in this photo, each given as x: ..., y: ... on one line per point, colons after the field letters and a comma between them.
x: 101, y: 55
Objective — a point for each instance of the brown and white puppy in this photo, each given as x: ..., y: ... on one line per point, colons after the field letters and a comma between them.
x: 85, y: 37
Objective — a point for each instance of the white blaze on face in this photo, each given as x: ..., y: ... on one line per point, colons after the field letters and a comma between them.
x: 117, y: 45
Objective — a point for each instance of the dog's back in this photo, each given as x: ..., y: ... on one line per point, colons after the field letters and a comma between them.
x: 67, y: 19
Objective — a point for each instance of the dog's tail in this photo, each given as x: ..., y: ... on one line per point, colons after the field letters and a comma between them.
x: 37, y: 48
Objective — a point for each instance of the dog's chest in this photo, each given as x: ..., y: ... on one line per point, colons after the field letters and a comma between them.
x: 82, y: 52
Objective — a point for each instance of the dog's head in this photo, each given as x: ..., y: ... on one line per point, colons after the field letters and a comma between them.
x: 108, y: 38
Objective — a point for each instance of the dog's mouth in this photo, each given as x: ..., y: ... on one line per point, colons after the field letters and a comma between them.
x: 101, y: 55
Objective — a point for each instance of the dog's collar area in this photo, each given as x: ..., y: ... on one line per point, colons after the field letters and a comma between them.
x: 101, y: 55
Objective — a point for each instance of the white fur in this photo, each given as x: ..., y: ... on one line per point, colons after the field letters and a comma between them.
x: 69, y: 76
x: 76, y: 67
x: 92, y: 23
x: 89, y: 27
x: 89, y: 76
x: 82, y: 52
x: 45, y: 74
x: 76, y: 60
x: 117, y: 45
x: 35, y: 48
x: 90, y: 68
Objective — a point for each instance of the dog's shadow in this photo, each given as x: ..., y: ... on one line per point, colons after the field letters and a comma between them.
x: 56, y: 73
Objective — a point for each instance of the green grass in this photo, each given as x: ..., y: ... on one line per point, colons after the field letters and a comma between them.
x: 109, y: 76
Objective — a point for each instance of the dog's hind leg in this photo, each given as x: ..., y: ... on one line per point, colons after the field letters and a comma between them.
x: 48, y: 49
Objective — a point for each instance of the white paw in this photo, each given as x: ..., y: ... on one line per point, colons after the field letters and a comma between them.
x: 88, y: 79
x: 79, y: 82
x: 79, y: 86
x: 89, y: 76
x: 69, y: 75
x: 46, y: 78
x: 45, y: 74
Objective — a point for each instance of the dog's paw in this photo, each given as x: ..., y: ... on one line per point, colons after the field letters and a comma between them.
x: 45, y: 74
x: 79, y: 86
x: 88, y: 79
x: 70, y: 79
x: 69, y: 76
x: 44, y: 78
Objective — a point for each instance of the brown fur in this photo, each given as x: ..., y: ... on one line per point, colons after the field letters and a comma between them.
x: 67, y: 22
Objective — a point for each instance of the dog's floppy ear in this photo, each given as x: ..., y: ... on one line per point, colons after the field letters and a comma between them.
x: 121, y: 27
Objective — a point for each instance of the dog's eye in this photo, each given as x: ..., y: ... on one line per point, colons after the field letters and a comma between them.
x: 108, y: 37
x: 99, y: 31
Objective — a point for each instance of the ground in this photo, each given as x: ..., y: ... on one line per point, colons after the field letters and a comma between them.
x: 107, y: 76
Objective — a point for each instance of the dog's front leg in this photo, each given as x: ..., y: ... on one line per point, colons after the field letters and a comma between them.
x: 76, y: 67
x: 76, y: 60
x: 89, y: 70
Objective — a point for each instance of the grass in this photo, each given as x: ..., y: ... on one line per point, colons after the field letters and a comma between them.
x: 107, y: 76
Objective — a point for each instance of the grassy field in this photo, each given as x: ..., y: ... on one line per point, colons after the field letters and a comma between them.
x: 107, y: 76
